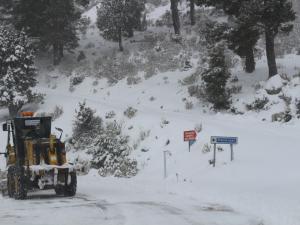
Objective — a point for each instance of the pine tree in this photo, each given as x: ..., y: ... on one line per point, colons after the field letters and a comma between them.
x: 192, y: 11
x: 245, y: 33
x: 83, y: 3
x: 274, y: 16
x: 5, y: 10
x: 242, y: 39
x: 175, y: 16
x: 134, y: 10
x: 119, y: 17
x: 17, y: 71
x: 59, y: 30
x: 86, y: 123
x: 28, y: 16
x: 52, y: 21
x: 215, y: 78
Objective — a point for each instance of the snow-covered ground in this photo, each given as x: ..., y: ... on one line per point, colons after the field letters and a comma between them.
x: 260, y: 187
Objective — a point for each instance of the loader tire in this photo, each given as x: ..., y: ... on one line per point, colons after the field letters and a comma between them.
x: 10, y: 182
x: 70, y: 190
x: 59, y: 190
x: 20, y: 190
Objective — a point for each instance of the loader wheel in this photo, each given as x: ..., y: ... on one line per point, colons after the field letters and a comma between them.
x: 20, y: 190
x: 10, y: 182
x: 59, y: 190
x: 70, y: 190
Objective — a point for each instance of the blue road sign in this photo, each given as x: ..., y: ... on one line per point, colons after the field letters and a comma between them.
x: 224, y: 140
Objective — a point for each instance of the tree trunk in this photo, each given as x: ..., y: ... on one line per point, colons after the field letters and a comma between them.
x: 250, y: 61
x: 270, y: 49
x: 130, y: 31
x: 56, y: 57
x: 175, y: 16
x: 120, y: 40
x: 192, y: 12
x: 61, y: 51
x: 13, y: 111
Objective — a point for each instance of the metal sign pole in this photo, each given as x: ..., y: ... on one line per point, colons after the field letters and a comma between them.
x: 215, y: 151
x: 165, y: 164
x: 189, y: 146
x: 231, y: 148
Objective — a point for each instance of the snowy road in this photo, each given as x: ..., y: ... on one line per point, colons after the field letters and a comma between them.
x: 162, y: 208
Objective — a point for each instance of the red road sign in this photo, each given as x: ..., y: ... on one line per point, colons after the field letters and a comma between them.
x: 190, y: 135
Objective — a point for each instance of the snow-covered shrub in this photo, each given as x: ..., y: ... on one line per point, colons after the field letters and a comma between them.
x: 282, y: 117
x: 115, y: 67
x: 82, y: 165
x: 81, y: 56
x: 164, y: 122
x: 152, y: 98
x: 274, y: 85
x: 144, y: 134
x: 76, y: 80
x: 111, y: 154
x: 95, y: 83
x: 258, y: 104
x: 86, y: 127
x: 287, y: 99
x: 196, y: 91
x: 83, y: 24
x: 235, y: 89
x: 298, y: 108
x: 189, y: 105
x: 89, y: 45
x: 206, y: 148
x: 57, y: 112
x: 133, y: 80
x: 150, y: 71
x: 198, y: 127
x: 110, y: 115
x: 130, y: 112
x: 190, y: 80
x: 165, y: 20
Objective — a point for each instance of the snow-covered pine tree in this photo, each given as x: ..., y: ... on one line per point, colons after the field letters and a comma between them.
x: 118, y: 17
x: 17, y: 71
x: 111, y: 155
x: 86, y: 123
x: 215, y: 78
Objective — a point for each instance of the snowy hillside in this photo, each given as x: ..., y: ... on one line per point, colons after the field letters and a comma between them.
x: 260, y: 187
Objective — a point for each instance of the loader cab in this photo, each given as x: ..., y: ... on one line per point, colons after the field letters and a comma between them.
x: 25, y: 134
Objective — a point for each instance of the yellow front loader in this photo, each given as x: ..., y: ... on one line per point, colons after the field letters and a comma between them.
x: 36, y: 159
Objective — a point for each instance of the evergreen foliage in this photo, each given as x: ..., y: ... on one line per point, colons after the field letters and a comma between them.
x: 53, y: 22
x: 17, y: 70
x: 117, y: 18
x: 106, y: 143
x: 86, y: 123
x: 215, y: 79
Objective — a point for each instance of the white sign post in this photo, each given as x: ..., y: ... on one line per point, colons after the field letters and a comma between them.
x: 166, y: 153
